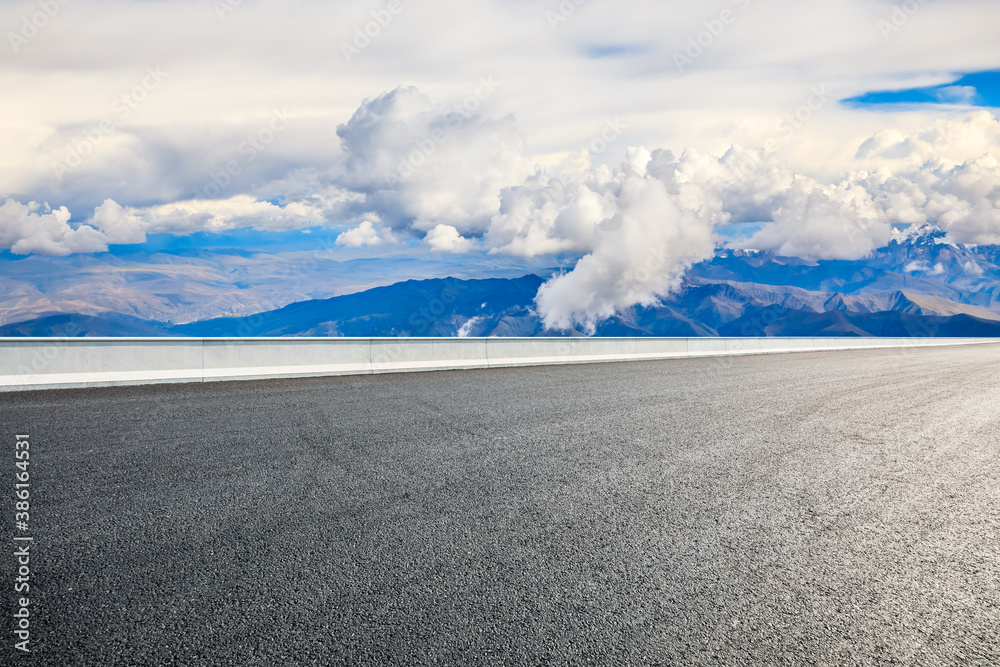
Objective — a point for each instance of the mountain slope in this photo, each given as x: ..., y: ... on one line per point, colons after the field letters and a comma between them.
x: 776, y: 321
x: 411, y: 308
x: 918, y: 285
x: 112, y: 325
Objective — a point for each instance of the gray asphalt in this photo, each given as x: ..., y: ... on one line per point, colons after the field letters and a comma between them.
x: 830, y: 508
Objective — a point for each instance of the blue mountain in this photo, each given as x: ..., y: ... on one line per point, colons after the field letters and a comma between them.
x: 412, y: 308
x: 921, y: 284
x: 69, y: 325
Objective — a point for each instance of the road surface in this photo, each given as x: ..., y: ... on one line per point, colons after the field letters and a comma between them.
x: 821, y: 508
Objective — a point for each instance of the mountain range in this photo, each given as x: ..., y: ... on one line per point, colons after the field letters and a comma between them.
x: 920, y: 284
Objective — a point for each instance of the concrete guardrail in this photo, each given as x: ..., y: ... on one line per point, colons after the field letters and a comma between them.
x: 51, y: 363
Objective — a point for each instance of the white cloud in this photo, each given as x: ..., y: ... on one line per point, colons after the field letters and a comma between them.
x: 32, y: 228
x: 550, y: 215
x: 119, y: 225
x: 639, y: 255
x: 973, y: 269
x: 214, y: 215
x: 445, y: 238
x: 952, y: 139
x: 231, y: 73
x: 947, y: 174
x: 421, y: 166
x: 957, y: 94
x: 364, y: 235
x: 466, y: 329
x: 817, y: 222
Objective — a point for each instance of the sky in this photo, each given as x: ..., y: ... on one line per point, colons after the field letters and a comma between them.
x: 629, y: 136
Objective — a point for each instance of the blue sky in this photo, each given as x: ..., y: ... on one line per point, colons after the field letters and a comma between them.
x: 980, y: 89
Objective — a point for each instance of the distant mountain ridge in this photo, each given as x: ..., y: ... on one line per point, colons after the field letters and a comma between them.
x: 918, y: 285
x: 413, y: 308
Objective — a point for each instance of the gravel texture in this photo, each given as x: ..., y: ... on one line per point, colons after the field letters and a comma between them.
x: 823, y: 508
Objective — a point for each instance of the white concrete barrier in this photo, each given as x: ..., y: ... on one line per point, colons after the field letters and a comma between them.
x: 505, y: 352
x: 244, y: 358
x: 395, y: 355
x: 661, y: 348
x: 49, y: 363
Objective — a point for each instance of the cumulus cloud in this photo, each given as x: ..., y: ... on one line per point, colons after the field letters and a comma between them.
x: 560, y: 87
x: 947, y: 175
x: 363, y: 235
x: 445, y: 238
x: 366, y: 234
x: 662, y: 207
x: 551, y: 215
x: 743, y: 185
x: 642, y: 225
x: 33, y: 228
x: 948, y: 140
x: 639, y: 255
x: 118, y: 224
x: 817, y: 222
x: 419, y: 165
x: 215, y: 215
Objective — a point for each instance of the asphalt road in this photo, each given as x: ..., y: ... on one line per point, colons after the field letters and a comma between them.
x: 825, y: 508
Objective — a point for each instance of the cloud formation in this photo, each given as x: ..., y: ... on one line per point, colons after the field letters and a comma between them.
x: 445, y: 238
x: 126, y: 224
x: 638, y: 255
x: 664, y: 208
x: 118, y: 224
x: 420, y: 166
x: 33, y: 228
x: 947, y: 175
x: 459, y: 180
x: 361, y: 236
